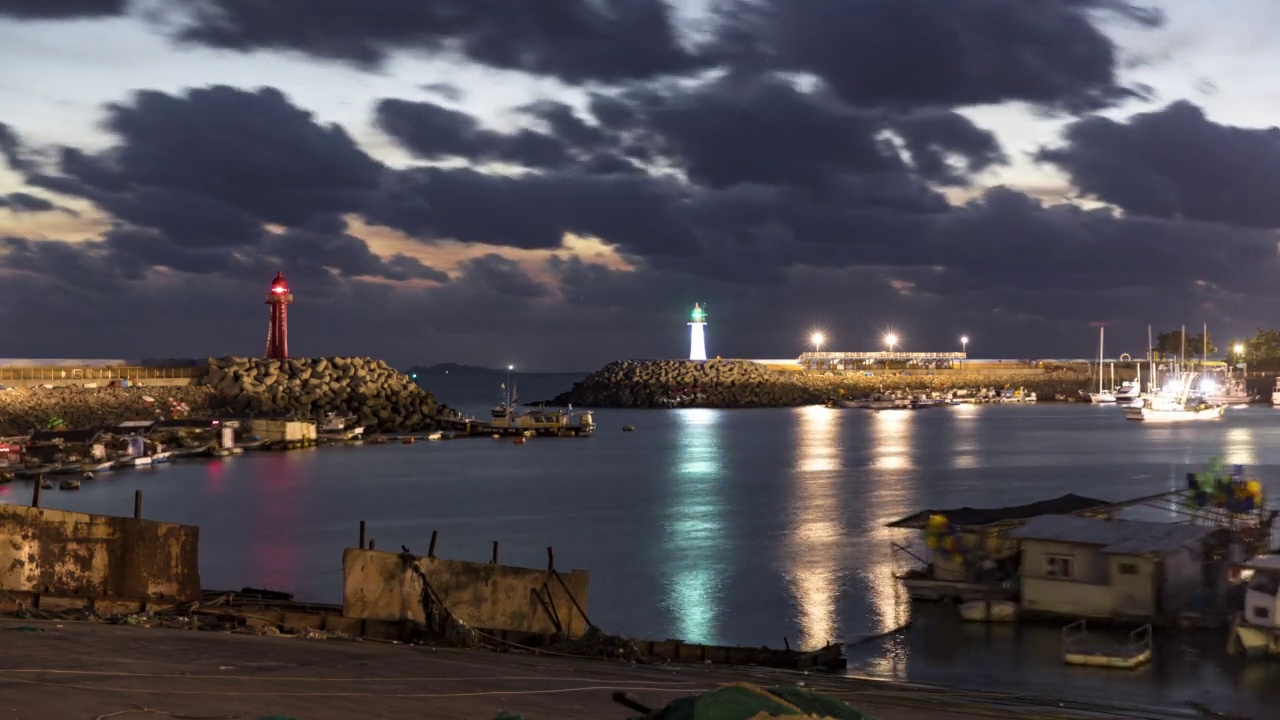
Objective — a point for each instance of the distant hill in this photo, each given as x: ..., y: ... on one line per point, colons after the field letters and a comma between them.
x: 464, y: 386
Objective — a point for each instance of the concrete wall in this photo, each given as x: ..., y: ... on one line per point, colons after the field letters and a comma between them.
x: 55, y: 552
x: 1066, y: 597
x: 379, y: 585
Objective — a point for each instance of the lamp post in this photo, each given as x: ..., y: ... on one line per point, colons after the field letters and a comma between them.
x: 1239, y: 350
x: 964, y: 348
x: 890, y: 339
x: 817, y: 339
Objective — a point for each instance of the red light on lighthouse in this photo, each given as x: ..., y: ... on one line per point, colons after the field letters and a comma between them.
x: 279, y: 298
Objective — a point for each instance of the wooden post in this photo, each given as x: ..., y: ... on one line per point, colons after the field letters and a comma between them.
x: 495, y: 553
x: 137, y: 504
x: 431, y: 549
x: 551, y: 559
x: 35, y: 494
x: 361, y: 534
x: 372, y: 544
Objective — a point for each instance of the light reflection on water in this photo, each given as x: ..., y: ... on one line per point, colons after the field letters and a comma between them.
x: 817, y: 531
x: 694, y: 526
x: 730, y: 527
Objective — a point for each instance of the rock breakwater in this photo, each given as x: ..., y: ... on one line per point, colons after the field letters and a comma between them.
x: 25, y: 410
x: 742, y: 383
x: 382, y: 398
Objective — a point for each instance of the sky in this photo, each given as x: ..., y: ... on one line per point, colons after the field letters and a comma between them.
x: 555, y: 183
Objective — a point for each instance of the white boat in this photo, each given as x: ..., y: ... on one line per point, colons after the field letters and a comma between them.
x: 339, y: 425
x: 1228, y: 391
x: 1174, y: 408
x: 1275, y: 394
x: 1103, y: 396
x: 435, y: 435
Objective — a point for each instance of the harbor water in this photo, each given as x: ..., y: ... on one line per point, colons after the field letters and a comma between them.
x: 727, y: 526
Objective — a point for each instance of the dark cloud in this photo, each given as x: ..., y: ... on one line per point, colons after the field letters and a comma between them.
x: 434, y: 132
x: 574, y: 40
x: 26, y: 202
x: 921, y: 53
x: 11, y: 149
x: 1176, y: 163
x: 448, y: 91
x: 61, y: 9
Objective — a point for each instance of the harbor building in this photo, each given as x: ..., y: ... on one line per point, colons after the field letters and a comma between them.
x: 1113, y: 569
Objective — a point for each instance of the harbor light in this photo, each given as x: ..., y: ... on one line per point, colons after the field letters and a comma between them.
x: 891, y: 339
x: 817, y: 339
x: 1239, y: 348
x: 510, y: 368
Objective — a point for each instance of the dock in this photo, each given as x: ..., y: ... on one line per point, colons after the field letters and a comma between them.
x: 1079, y: 648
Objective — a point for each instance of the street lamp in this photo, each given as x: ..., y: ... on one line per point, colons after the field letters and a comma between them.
x: 817, y: 339
x: 964, y: 348
x: 890, y: 339
x: 1239, y: 350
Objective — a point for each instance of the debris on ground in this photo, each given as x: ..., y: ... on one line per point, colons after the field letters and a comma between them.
x: 744, y: 701
x: 597, y: 643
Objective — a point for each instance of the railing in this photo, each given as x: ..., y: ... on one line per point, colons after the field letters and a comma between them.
x: 1075, y: 639
x: 80, y: 374
x: 884, y: 355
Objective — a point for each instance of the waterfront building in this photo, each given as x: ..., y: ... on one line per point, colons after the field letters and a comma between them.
x: 1114, y: 569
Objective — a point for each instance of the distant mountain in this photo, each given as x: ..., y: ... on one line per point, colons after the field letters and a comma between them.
x: 464, y: 386
x: 473, y: 370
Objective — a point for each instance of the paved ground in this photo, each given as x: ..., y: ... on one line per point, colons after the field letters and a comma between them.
x: 69, y: 671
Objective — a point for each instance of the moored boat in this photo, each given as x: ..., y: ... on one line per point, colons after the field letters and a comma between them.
x: 69, y: 484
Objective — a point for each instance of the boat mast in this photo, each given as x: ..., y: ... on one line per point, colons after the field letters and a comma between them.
x: 1101, y: 332
x: 1151, y: 360
x: 1182, y: 355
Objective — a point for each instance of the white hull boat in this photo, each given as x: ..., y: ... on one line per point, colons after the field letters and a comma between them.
x: 1102, y: 397
x: 1149, y: 414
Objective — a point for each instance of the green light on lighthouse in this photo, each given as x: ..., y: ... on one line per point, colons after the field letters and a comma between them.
x: 698, y: 315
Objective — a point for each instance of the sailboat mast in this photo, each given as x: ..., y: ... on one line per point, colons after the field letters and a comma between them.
x: 1204, y: 350
x: 1101, y: 334
x: 1151, y: 360
x: 1182, y: 355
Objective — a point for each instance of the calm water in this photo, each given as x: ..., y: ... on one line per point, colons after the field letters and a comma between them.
x: 722, y: 526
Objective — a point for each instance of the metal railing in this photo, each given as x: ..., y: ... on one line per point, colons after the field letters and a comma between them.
x: 880, y: 355
x: 92, y: 374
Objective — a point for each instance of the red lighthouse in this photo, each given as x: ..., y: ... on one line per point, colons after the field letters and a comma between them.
x: 279, y: 298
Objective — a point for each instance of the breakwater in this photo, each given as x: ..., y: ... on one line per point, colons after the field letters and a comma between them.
x: 383, y: 399
x: 742, y: 383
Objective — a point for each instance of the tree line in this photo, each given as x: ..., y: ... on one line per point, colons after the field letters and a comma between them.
x: 1261, y: 349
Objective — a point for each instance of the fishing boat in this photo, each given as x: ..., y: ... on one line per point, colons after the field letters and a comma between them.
x: 1175, y: 405
x: 878, y: 401
x: 507, y: 419
x: 341, y: 427
x: 1103, y: 396
x: 88, y: 466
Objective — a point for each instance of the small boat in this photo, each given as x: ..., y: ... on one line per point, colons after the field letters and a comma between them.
x: 341, y: 427
x: 46, y: 484
x: 1275, y: 394
x: 6, y: 477
x: 69, y: 484
x: 989, y: 610
x: 628, y: 428
x: 136, y: 461
x: 520, y: 440
x: 89, y: 466
x: 407, y: 440
x: 435, y: 435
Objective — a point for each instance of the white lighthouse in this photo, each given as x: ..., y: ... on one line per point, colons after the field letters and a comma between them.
x: 697, y: 336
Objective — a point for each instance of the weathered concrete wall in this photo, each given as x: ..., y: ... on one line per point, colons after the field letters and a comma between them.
x: 379, y: 585
x: 44, y: 551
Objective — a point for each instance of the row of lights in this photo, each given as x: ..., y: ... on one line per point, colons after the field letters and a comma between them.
x: 890, y: 341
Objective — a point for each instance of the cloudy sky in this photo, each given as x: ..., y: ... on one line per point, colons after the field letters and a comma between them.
x: 556, y: 182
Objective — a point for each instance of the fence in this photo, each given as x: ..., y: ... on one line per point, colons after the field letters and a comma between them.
x: 106, y: 374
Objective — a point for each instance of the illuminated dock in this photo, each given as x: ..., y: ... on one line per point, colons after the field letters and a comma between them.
x: 845, y: 361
